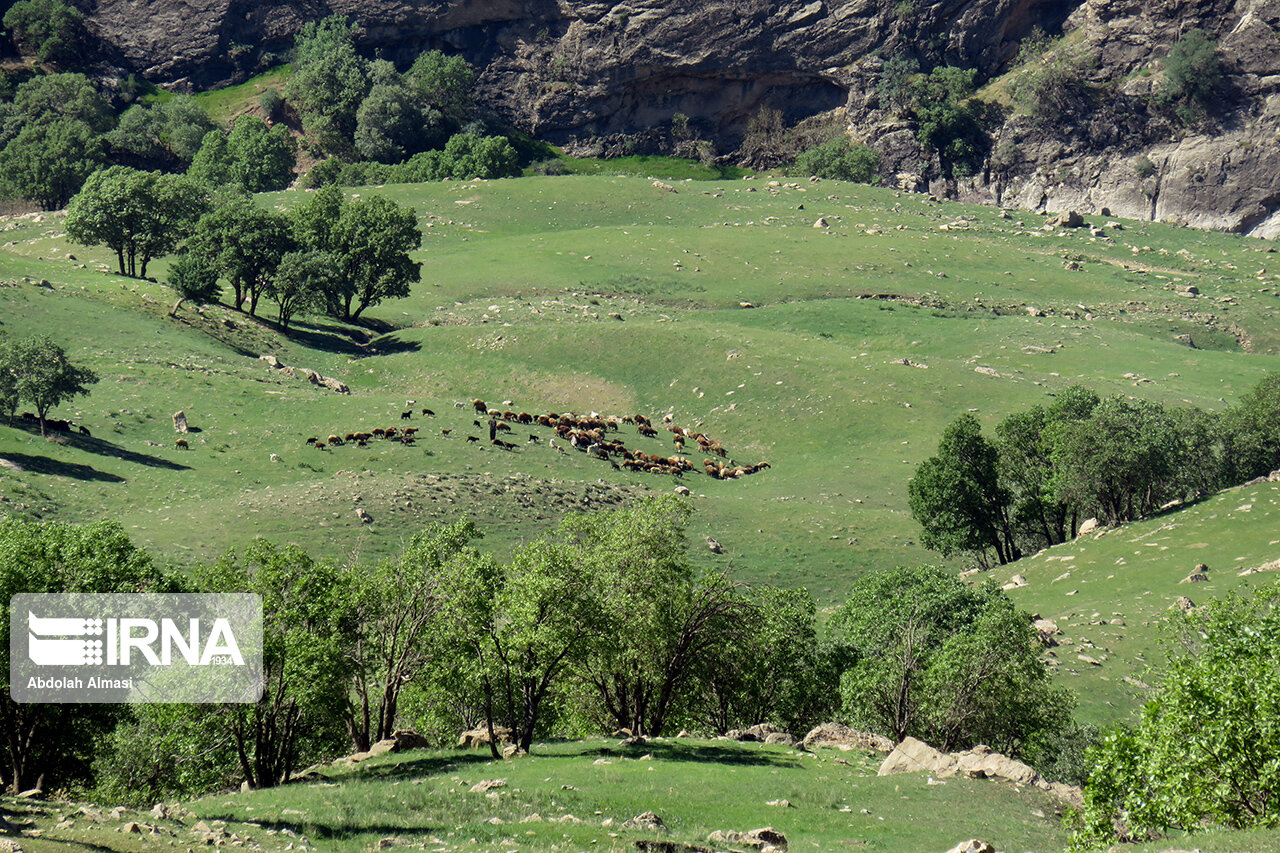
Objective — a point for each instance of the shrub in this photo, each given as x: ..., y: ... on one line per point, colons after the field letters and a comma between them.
x: 1143, y: 167
x: 272, y: 103
x: 840, y: 160
x: 1192, y: 74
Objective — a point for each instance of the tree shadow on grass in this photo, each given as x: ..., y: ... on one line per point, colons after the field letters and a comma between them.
x: 346, y: 340
x: 425, y: 766
x: 312, y: 829
x: 699, y: 752
x: 101, y: 447
x: 74, y: 470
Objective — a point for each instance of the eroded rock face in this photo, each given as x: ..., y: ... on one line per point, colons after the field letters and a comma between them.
x: 574, y: 72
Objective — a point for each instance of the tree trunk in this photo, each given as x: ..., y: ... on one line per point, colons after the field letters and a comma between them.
x: 173, y: 312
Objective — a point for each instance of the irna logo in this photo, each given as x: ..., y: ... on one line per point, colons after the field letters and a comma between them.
x: 73, y: 641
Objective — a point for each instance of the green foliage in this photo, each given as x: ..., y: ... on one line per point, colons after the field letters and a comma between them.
x: 391, y: 125
x: 1206, y: 751
x: 302, y: 282
x: 9, y: 398
x: 50, y: 29
x: 260, y: 159
x: 50, y: 97
x: 211, y: 165
x: 43, y: 375
x: 1251, y: 432
x: 923, y: 655
x: 139, y: 215
x: 371, y: 241
x: 48, y: 162
x: 245, y: 243
x: 271, y: 102
x: 308, y: 628
x: 958, y: 500
x: 53, y: 557
x: 950, y: 121
x: 444, y: 83
x: 1143, y: 167
x: 161, y: 753
x: 839, y: 160
x: 330, y: 81
x: 193, y: 276
x: 1192, y: 75
x: 894, y: 85
x: 165, y: 135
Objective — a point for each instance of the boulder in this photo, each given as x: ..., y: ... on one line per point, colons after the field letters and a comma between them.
x: 647, y: 821
x: 783, y: 738
x: 272, y: 361
x: 758, y: 732
x: 973, y: 845
x: 486, y: 785
x: 916, y: 756
x: 1183, y: 603
x: 1089, y: 525
x: 980, y: 762
x: 837, y: 736
x: 479, y: 736
x: 334, y: 385
x: 765, y: 838
x: 180, y: 422
x: 1069, y: 219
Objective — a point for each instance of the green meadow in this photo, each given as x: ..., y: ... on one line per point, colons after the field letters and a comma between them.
x: 830, y: 329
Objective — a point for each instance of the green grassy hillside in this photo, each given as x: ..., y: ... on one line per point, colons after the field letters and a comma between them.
x: 719, y: 303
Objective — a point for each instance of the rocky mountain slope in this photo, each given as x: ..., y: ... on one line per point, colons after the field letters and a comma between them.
x: 601, y: 77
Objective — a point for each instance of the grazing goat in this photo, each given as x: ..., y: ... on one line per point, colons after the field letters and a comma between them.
x: 181, y: 444
x: 84, y: 430
x: 446, y: 431
x: 427, y: 413
x: 319, y: 445
x: 472, y: 438
x: 479, y: 406
x: 312, y: 440
x: 404, y: 416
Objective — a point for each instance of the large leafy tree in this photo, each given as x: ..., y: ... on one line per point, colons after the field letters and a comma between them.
x: 444, y: 83
x: 44, y: 376
x: 164, y: 135
x: 52, y: 744
x: 139, y: 215
x: 308, y: 627
x: 245, y: 243
x: 330, y: 81
x: 397, y: 607
x: 391, y: 123
x: 663, y: 622
x: 949, y: 119
x: 924, y: 655
x: 260, y: 158
x: 1206, y: 751
x: 302, y: 282
x: 1251, y: 431
x: 1192, y: 74
x: 48, y: 162
x: 50, y: 29
x: 958, y: 499
x: 371, y: 242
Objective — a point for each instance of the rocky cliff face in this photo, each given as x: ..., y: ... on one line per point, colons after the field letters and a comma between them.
x: 588, y: 74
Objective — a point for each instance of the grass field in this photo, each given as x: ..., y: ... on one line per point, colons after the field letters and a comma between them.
x: 719, y: 303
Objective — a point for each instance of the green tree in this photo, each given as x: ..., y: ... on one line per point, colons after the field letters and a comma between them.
x: 165, y: 135
x: 958, y: 499
x: 260, y: 159
x: 1051, y: 84
x: 371, y: 241
x: 50, y: 29
x: 48, y: 162
x: 302, y: 282
x: 949, y: 119
x: 245, y: 243
x: 1026, y: 443
x: 50, y: 97
x: 160, y: 753
x: 308, y: 627
x: 9, y: 398
x: 193, y: 277
x: 53, y: 743
x: 211, y: 165
x: 390, y: 124
x: 398, y: 606
x: 923, y: 655
x: 139, y: 215
x: 44, y: 376
x: 465, y: 156
x: 329, y: 83
x: 662, y: 622
x: 517, y: 631
x: 1251, y: 432
x: 1192, y: 74
x: 1206, y: 751
x: 839, y: 160
x: 444, y: 83
x: 895, y: 82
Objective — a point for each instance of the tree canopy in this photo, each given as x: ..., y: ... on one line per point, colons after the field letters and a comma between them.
x: 41, y: 374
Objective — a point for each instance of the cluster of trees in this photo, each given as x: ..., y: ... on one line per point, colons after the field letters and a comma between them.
x: 950, y: 122
x: 380, y: 125
x: 602, y: 623
x: 49, y: 30
x: 1051, y: 467
x: 1206, y: 751
x: 330, y: 254
x: 37, y: 371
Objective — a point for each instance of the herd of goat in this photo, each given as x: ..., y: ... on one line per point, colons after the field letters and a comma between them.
x: 595, y: 435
